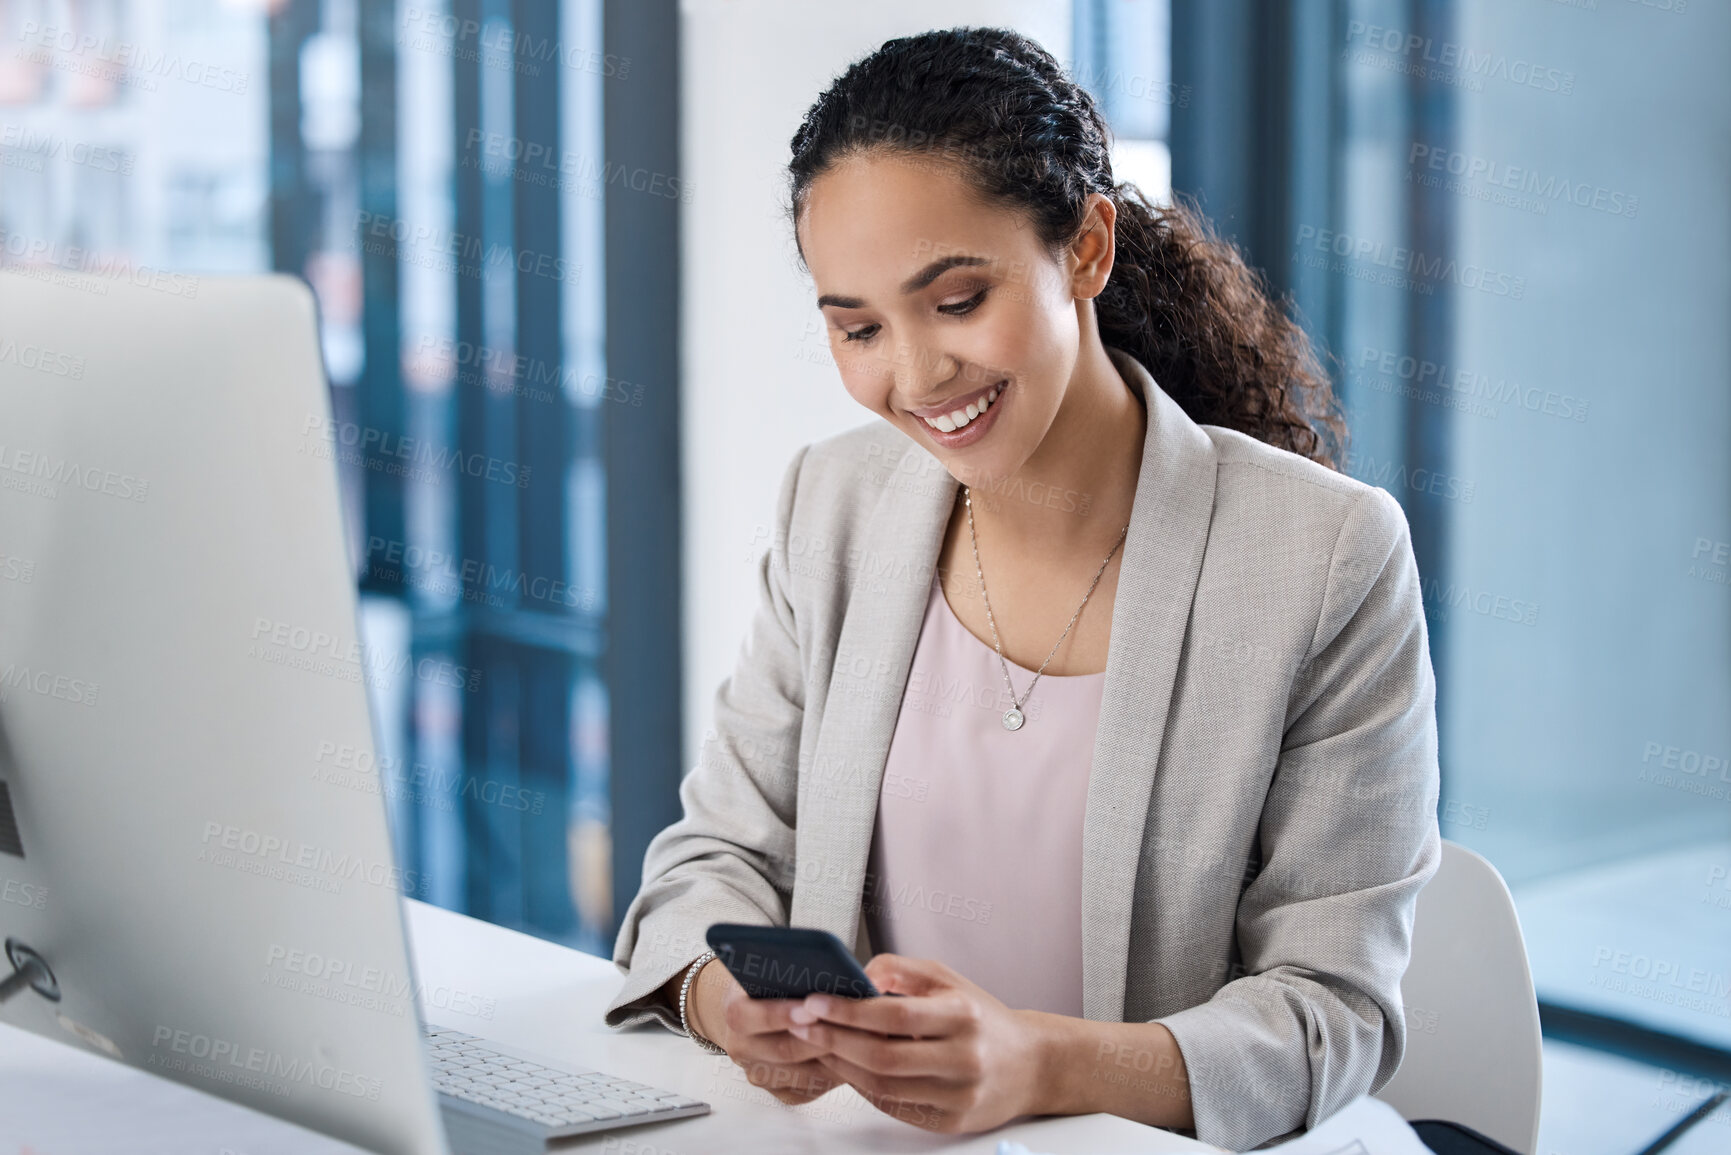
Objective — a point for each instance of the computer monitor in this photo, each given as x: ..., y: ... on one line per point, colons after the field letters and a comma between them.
x: 178, y: 661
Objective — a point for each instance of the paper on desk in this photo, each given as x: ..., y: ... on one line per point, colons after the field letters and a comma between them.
x: 1364, y: 1126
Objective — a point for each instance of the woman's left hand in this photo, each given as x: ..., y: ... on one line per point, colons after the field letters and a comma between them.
x: 947, y: 1057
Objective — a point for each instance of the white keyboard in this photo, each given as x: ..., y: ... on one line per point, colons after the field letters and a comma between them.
x: 479, y: 1077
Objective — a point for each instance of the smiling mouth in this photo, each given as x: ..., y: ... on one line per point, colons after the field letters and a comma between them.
x: 954, y: 419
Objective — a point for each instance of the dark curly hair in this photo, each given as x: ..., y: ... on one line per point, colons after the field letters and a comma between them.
x: 1181, y: 300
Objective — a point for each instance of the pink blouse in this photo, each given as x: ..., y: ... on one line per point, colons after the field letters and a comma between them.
x: 976, y: 859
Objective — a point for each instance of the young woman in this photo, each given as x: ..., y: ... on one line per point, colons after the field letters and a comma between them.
x: 1085, y: 698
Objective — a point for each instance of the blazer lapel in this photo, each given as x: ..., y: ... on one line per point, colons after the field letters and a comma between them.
x: 1150, y: 613
x: 898, y: 549
x: 838, y: 793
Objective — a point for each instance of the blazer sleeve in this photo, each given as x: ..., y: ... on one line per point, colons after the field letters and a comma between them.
x: 729, y: 858
x: 1347, y: 838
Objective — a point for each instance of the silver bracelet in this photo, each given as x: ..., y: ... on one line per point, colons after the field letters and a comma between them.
x: 684, y: 994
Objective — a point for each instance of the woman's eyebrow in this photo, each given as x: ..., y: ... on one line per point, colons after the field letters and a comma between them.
x: 912, y: 285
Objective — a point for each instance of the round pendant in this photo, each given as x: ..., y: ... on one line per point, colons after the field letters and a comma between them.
x: 1013, y: 719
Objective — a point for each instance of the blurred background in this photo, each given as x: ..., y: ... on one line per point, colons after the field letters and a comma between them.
x: 549, y: 252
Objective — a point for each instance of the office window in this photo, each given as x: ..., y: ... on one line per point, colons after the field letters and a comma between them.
x: 1122, y: 56
x: 1593, y: 417
x: 131, y: 133
x: 439, y: 173
x: 441, y: 185
x: 1504, y: 222
x: 1572, y: 383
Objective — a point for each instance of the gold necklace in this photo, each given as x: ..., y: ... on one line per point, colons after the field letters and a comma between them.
x: 1013, y: 717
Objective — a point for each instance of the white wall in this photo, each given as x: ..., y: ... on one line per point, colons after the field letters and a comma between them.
x: 757, y: 377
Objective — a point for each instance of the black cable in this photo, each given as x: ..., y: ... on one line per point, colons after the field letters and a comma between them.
x: 1676, y: 1132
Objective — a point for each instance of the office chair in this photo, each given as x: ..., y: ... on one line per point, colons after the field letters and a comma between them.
x: 1472, y: 1042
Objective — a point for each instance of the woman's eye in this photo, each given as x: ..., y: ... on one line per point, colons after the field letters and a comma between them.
x: 961, y: 307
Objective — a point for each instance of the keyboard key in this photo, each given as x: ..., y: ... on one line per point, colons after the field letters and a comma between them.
x: 466, y: 1068
x: 602, y: 1111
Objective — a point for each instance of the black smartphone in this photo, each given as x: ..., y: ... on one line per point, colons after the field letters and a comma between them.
x: 788, y: 962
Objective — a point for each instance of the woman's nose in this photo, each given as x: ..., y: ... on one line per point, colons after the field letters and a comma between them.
x: 916, y: 369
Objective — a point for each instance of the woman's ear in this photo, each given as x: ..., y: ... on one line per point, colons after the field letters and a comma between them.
x: 1093, y: 249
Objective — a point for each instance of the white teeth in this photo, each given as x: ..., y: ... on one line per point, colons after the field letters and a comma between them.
x: 956, y: 418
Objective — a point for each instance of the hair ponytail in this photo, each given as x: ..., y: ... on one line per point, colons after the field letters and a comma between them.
x: 1180, y: 300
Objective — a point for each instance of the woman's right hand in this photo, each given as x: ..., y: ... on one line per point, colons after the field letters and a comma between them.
x: 754, y: 1033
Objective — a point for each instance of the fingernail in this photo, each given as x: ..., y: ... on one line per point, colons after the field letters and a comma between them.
x: 799, y: 1032
x: 802, y: 1014
x: 818, y: 1005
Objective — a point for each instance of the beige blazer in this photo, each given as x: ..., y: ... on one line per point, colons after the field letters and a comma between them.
x: 1261, y: 811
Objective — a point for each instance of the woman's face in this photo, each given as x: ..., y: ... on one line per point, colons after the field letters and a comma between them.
x: 935, y: 301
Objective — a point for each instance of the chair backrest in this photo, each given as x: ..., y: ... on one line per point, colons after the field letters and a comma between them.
x: 1472, y: 1040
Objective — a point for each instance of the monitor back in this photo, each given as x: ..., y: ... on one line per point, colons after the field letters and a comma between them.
x: 179, y: 667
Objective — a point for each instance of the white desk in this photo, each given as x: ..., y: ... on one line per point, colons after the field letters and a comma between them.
x: 57, y: 1100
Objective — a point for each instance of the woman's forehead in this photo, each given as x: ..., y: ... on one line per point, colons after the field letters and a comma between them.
x: 883, y: 216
